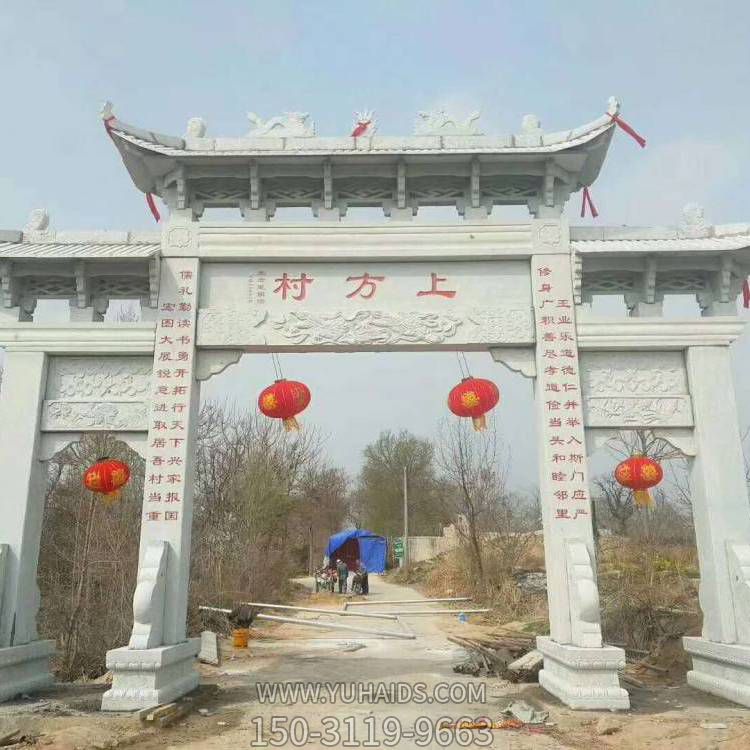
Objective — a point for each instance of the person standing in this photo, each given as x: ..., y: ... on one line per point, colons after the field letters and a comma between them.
x: 342, y: 572
x: 365, y: 579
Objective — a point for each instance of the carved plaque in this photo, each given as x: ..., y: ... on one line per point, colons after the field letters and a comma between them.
x: 74, y: 416
x: 635, y: 389
x: 363, y: 328
x: 375, y: 304
x: 99, y: 378
x: 97, y: 393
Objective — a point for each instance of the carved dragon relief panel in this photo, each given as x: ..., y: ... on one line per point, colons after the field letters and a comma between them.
x: 635, y: 389
x: 64, y: 416
x: 97, y: 393
x: 245, y: 328
x: 99, y: 378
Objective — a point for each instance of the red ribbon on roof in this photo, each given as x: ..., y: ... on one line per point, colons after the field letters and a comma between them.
x: 361, y: 128
x: 152, y: 205
x: 639, y: 139
x: 586, y: 201
x: 746, y: 293
x: 149, y: 197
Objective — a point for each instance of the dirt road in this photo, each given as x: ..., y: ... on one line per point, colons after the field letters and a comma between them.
x: 358, y: 679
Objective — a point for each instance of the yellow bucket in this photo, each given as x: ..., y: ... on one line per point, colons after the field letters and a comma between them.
x: 240, y: 637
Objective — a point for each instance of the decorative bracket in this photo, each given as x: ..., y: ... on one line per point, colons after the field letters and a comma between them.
x: 10, y: 295
x: 254, y: 185
x: 327, y: 184
x: 475, y: 192
x: 82, y: 285
x: 516, y: 360
x: 549, y: 185
x: 584, y: 596
x: 149, y: 598
x: 154, y: 277
x: 649, y: 281
x: 401, y: 184
x: 213, y: 361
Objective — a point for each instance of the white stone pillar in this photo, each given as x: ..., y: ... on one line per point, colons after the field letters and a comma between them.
x: 158, y: 665
x: 577, y: 668
x: 721, y: 657
x: 24, y: 660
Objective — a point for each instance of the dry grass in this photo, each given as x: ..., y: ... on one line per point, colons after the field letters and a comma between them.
x: 648, y: 591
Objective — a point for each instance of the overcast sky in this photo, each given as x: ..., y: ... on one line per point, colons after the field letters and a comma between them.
x: 681, y: 69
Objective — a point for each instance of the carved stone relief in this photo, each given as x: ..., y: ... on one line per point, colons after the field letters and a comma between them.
x: 99, y: 378
x: 64, y: 416
x: 241, y: 327
x: 638, y: 412
x: 97, y: 393
x: 633, y: 373
x: 439, y: 122
x: 149, y: 597
x: 586, y: 628
x: 635, y: 389
x: 178, y: 237
x: 290, y: 124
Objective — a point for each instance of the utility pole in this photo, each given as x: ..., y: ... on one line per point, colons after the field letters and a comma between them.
x: 406, y: 519
x: 310, y: 552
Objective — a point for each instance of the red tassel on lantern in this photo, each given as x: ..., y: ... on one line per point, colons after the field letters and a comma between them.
x: 474, y: 397
x: 284, y: 400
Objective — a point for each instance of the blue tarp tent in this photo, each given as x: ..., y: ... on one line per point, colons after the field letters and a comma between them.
x: 358, y: 544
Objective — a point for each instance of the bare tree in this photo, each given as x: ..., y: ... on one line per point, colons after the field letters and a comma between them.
x: 474, y: 470
x: 645, y: 442
x: 617, y: 500
x: 88, y: 557
x: 671, y: 516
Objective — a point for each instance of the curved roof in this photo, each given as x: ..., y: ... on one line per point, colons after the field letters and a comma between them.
x: 150, y: 155
x: 706, y: 239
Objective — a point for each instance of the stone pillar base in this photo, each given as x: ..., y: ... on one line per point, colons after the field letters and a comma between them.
x: 583, y: 678
x: 142, y: 678
x: 24, y: 669
x: 721, y: 669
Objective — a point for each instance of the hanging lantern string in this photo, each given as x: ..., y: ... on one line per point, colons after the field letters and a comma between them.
x: 466, y: 364
x: 277, y: 366
x: 461, y: 366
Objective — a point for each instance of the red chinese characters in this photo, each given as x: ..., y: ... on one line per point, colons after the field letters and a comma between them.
x: 165, y: 479
x: 566, y: 484
x: 367, y: 286
x: 294, y: 288
x: 434, y: 291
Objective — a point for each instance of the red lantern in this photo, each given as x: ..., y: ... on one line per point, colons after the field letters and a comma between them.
x: 284, y: 400
x: 107, y: 477
x: 474, y: 397
x: 639, y: 473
